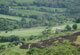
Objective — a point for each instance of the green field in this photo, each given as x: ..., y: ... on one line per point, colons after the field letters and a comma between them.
x: 10, y: 17
x: 23, y: 32
x: 6, y: 43
x: 17, y: 1
x: 14, y: 17
x: 29, y: 12
x: 3, y: 2
x: 24, y: 1
x: 34, y: 10
x: 39, y: 8
x: 31, y: 31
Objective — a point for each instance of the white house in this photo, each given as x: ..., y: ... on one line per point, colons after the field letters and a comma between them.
x: 58, y: 29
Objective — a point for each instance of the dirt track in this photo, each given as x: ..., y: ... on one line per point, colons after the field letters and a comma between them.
x: 49, y: 42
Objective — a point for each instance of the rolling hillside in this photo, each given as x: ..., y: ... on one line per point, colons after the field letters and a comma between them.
x: 41, y: 13
x: 51, y: 25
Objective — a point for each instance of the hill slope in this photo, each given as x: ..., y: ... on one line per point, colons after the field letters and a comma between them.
x: 41, y: 12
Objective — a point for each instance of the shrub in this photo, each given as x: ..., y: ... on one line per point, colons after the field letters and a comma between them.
x: 68, y: 28
x: 74, y: 26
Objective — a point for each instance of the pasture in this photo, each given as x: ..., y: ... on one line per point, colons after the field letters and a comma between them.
x: 24, y: 32
x: 10, y: 17
x: 29, y: 12
x: 40, y: 8
x: 17, y: 1
x: 3, y: 2
x: 30, y: 31
x: 34, y: 10
x: 24, y: 1
x: 14, y: 17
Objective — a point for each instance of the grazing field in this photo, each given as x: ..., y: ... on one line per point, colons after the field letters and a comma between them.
x: 10, y: 17
x: 47, y: 9
x: 13, y: 17
x: 29, y: 12
x: 17, y: 1
x: 34, y: 10
x: 31, y: 31
x: 24, y: 1
x: 24, y: 32
x: 3, y: 2
x: 6, y: 43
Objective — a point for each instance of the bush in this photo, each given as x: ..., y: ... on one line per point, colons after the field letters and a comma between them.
x: 2, y: 47
x: 74, y: 26
x: 78, y: 20
x: 9, y: 39
x: 68, y: 28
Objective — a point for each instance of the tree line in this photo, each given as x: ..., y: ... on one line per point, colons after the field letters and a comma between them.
x: 11, y: 38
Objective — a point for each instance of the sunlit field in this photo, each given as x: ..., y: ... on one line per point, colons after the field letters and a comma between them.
x: 24, y: 32
x: 30, y: 31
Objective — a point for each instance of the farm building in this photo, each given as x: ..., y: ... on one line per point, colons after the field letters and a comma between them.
x: 58, y: 29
